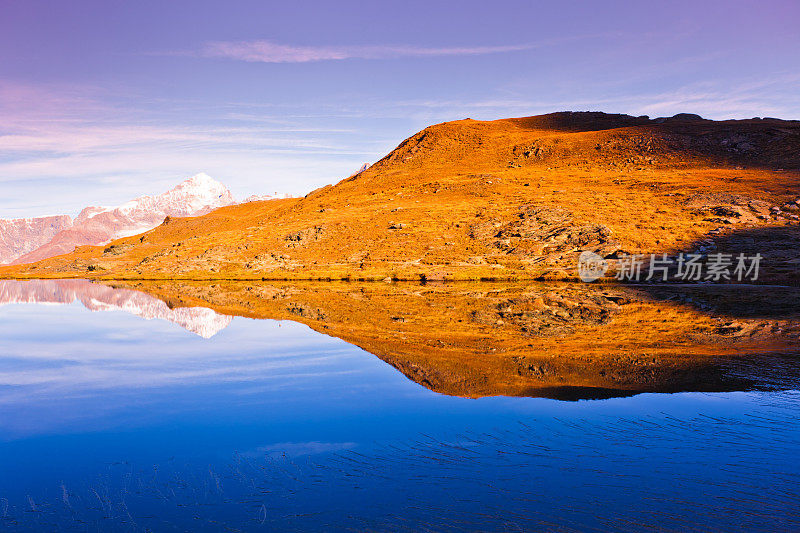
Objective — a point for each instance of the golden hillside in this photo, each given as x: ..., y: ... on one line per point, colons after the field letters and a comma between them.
x: 505, y: 199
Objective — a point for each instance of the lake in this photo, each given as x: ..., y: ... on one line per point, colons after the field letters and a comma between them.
x: 387, y: 407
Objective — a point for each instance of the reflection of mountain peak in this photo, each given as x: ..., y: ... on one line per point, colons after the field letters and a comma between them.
x: 95, y: 297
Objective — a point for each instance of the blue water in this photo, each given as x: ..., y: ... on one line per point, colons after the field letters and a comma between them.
x: 109, y: 422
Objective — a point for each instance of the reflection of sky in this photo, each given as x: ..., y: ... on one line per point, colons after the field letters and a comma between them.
x: 86, y: 372
x: 65, y: 370
x: 83, y: 392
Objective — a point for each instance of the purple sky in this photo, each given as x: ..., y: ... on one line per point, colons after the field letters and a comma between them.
x: 102, y: 101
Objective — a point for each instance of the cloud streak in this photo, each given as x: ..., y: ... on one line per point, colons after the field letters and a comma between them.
x: 271, y: 52
x: 89, y: 146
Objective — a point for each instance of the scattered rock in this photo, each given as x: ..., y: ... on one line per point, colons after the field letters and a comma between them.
x: 759, y: 206
x: 727, y: 211
x: 544, y: 231
x: 304, y: 236
x: 551, y: 313
x: 117, y: 249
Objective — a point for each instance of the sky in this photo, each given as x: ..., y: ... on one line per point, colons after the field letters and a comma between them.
x: 102, y: 101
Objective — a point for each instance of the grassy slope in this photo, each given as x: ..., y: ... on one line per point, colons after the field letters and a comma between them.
x: 507, y: 199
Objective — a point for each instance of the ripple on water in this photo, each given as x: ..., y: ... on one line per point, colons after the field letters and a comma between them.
x: 655, y: 471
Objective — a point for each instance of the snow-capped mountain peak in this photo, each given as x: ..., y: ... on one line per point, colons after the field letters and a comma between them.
x: 195, y: 196
x: 201, y: 181
x: 198, y: 193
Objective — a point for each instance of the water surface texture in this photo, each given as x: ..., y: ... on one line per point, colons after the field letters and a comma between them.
x: 209, y: 407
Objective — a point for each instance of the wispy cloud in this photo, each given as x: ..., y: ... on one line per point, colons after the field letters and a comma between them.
x: 87, y: 146
x: 271, y: 52
x: 775, y: 96
x: 718, y: 100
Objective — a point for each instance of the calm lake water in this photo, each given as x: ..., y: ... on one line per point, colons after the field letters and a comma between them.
x: 126, y: 415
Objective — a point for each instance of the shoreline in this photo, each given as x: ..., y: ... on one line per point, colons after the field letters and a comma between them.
x: 606, y: 282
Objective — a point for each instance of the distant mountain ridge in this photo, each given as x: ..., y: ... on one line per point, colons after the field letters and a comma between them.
x: 34, y: 239
x: 20, y: 236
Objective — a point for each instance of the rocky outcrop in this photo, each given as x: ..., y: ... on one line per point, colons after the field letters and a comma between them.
x: 544, y: 235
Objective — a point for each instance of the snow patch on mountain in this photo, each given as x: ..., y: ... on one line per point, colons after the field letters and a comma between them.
x: 364, y: 167
x: 265, y: 197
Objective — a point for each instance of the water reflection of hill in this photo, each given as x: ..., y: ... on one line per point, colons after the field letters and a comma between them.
x: 563, y: 341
